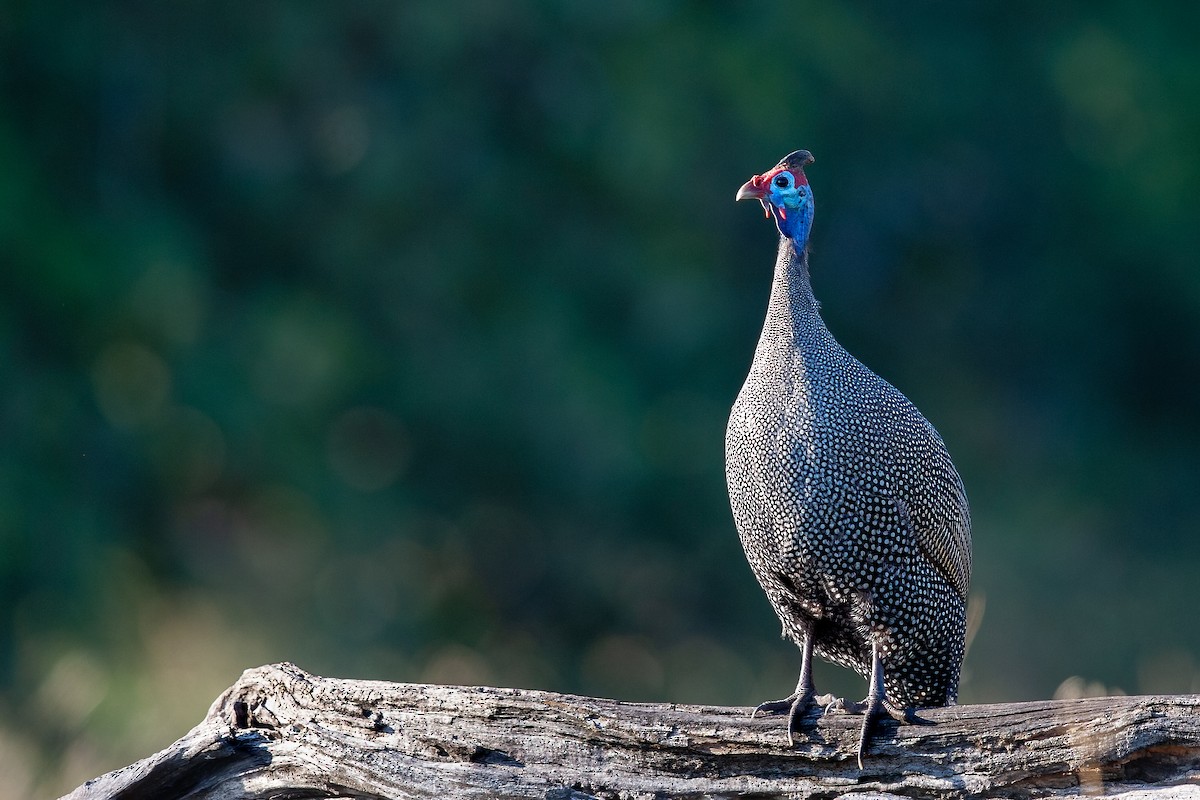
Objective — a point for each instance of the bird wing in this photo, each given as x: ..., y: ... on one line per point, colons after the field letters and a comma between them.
x: 930, y: 495
x: 941, y: 524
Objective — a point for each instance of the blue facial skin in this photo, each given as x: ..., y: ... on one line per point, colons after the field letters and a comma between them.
x: 796, y: 203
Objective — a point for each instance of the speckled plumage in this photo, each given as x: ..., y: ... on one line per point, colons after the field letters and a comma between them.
x: 851, y: 514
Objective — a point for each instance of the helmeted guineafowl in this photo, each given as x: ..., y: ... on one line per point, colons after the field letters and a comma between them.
x: 852, y: 516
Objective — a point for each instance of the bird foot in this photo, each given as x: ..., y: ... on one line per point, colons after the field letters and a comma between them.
x: 794, y: 705
x: 874, y: 708
x: 885, y: 707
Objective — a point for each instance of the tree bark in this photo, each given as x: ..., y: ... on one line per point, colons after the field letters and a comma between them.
x: 280, y: 732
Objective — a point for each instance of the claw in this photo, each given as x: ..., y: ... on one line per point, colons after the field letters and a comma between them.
x: 834, y: 705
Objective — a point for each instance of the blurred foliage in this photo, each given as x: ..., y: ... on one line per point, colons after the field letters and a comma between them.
x: 398, y: 339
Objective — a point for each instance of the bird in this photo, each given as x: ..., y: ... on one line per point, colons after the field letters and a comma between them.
x: 850, y: 511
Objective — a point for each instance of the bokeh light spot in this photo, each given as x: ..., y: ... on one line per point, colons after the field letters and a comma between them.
x: 132, y: 384
x: 367, y: 448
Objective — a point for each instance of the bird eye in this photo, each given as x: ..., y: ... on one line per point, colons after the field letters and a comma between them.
x: 781, y: 181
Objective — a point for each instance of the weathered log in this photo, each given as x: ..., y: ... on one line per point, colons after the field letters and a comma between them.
x: 280, y: 732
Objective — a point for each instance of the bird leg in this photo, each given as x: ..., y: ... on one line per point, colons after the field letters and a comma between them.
x: 877, y: 704
x: 796, y: 703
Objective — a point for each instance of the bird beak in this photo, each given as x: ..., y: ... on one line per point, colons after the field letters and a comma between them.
x: 753, y: 189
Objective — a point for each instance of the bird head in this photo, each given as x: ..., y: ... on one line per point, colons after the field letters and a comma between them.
x: 783, y: 191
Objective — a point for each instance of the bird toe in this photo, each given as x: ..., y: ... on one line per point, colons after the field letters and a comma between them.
x: 840, y: 705
x: 774, y: 706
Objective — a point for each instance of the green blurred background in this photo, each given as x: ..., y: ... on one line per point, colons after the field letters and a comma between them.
x: 397, y: 340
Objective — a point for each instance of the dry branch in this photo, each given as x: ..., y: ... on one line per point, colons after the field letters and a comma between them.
x: 280, y: 732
